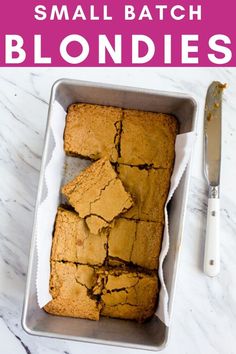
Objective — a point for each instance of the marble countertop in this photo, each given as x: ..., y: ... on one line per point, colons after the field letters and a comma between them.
x: 204, y: 319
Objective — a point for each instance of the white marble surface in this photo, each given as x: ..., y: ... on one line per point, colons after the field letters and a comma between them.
x: 204, y: 318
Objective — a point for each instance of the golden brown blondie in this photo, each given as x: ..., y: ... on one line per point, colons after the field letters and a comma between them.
x: 129, y: 294
x: 73, y: 242
x: 70, y: 287
x: 149, y: 190
x: 148, y: 139
x: 92, y: 131
x: 105, y: 252
x: 97, y: 191
x: 138, y: 242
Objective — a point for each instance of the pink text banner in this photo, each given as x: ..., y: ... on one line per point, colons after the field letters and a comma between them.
x: 117, y: 33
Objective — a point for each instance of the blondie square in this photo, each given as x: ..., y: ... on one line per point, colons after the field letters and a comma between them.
x: 70, y: 287
x: 133, y: 241
x: 98, y: 191
x: 129, y: 294
x: 93, y: 131
x: 148, y: 139
x: 149, y: 190
x: 73, y: 242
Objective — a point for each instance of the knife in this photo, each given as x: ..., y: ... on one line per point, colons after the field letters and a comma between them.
x: 212, y: 163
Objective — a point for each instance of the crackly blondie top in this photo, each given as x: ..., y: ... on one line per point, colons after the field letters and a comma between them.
x: 149, y: 189
x: 148, y: 138
x: 73, y: 242
x: 70, y: 285
x: 135, y: 241
x: 126, y: 136
x: 98, y: 191
x: 86, y: 292
x: 105, y: 249
x: 92, y: 131
x: 129, y: 294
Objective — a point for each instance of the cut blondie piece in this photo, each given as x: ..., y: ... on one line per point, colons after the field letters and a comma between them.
x: 133, y: 241
x: 149, y: 190
x: 70, y: 287
x: 129, y: 295
x: 96, y: 224
x: 73, y: 242
x: 93, y: 131
x: 148, y: 139
x: 99, y: 192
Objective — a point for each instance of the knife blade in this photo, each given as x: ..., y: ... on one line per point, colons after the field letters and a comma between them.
x: 212, y: 164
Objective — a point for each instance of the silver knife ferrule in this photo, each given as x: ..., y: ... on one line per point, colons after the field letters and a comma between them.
x: 214, y: 192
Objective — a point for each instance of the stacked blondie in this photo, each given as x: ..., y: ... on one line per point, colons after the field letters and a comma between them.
x: 106, y: 247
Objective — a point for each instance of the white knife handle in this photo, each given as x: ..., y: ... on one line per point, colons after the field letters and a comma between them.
x: 212, y: 247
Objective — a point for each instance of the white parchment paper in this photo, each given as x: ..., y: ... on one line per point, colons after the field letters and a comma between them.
x: 47, y: 209
x: 183, y: 149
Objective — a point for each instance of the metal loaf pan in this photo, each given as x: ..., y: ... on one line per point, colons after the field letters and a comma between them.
x: 152, y: 335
